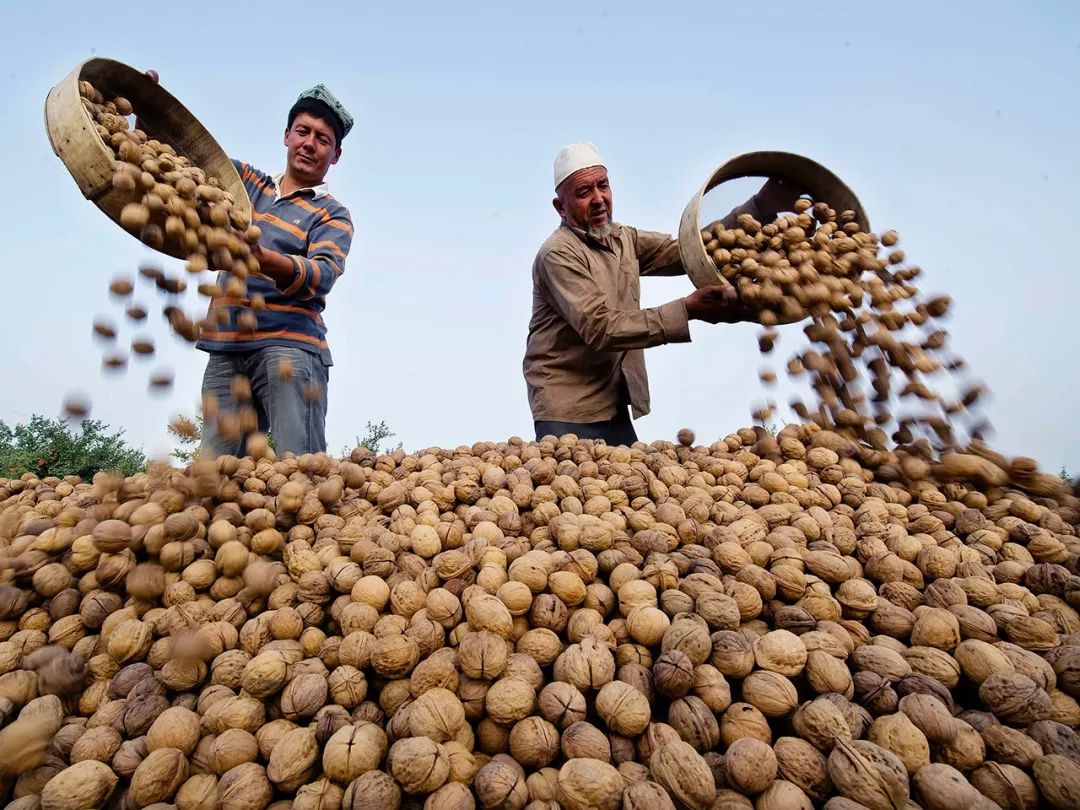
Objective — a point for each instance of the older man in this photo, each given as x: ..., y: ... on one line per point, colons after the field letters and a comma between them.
x: 584, y: 365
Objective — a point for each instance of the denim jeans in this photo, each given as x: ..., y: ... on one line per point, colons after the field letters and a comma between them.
x: 297, y: 425
x: 615, y: 431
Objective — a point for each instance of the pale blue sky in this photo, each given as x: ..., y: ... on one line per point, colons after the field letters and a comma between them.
x: 956, y: 124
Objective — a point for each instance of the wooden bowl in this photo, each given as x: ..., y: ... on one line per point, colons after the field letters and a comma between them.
x: 75, y: 140
x: 822, y: 185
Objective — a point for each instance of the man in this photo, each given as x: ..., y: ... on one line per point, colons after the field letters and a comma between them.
x: 584, y: 365
x: 305, y: 237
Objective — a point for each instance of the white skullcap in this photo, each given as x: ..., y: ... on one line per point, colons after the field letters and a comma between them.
x: 574, y: 157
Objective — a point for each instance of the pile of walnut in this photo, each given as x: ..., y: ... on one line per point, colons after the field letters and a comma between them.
x: 864, y: 311
x: 174, y: 203
x: 789, y: 622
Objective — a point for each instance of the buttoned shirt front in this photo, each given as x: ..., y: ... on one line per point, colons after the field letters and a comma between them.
x: 588, y: 330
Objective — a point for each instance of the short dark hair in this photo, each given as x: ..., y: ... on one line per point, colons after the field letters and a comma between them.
x: 321, y: 110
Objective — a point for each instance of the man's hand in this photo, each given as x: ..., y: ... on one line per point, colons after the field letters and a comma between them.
x: 775, y: 196
x: 717, y: 303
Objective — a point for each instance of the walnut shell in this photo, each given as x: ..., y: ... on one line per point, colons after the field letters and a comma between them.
x: 624, y: 709
x: 175, y: 727
x: 646, y: 796
x: 561, y: 704
x: 500, y: 785
x: 374, y: 790
x: 942, y: 787
x: 897, y: 734
x: 534, y: 742
x: 354, y: 750
x: 803, y: 765
x: 1016, y: 699
x: 589, y: 784
x: 293, y: 760
x: 869, y: 774
x: 750, y: 766
x: 438, y: 714
x: 770, y: 692
x: 1006, y: 785
x: 451, y: 796
x: 1058, y: 778
x: 418, y: 764
x: 780, y: 651
x: 684, y: 774
x: 158, y: 776
x: 84, y: 786
x: 930, y: 716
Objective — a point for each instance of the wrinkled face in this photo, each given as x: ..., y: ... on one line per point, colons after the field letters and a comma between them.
x: 584, y: 199
x: 312, y: 148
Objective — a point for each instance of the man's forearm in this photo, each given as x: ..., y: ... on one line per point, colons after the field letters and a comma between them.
x: 278, y: 267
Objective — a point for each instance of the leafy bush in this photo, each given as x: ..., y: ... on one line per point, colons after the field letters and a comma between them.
x: 51, y: 447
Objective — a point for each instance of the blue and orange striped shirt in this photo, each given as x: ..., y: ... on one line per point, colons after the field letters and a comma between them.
x: 316, y: 231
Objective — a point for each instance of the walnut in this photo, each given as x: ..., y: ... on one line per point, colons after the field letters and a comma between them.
x: 501, y: 785
x: 897, y: 734
x: 684, y: 774
x: 438, y: 714
x: 158, y: 776
x: 930, y: 716
x: 773, y: 694
x: 869, y: 774
x: 673, y: 674
x: 1006, y: 785
x: 534, y: 742
x: 174, y: 728
x: 1014, y: 698
x: 826, y: 673
x: 265, y: 674
x: 587, y: 665
x: 965, y: 752
x: 198, y: 792
x: 803, y: 765
x: 509, y: 700
x: 744, y: 720
x: 83, y: 786
x: 586, y: 741
x: 646, y: 796
x: 418, y: 764
x: 624, y: 709
x: 942, y: 787
x: 749, y: 765
x: 690, y: 637
x: 451, y: 796
x: 374, y: 790
x: 732, y: 653
x: 711, y: 687
x: 780, y: 651
x: 589, y: 784
x: 231, y: 748
x: 1058, y: 778
x: 303, y: 696
x: 395, y: 655
x: 781, y: 795
x: 318, y: 795
x: 294, y: 759
x: 482, y: 655
x: 694, y: 722
x: 821, y: 723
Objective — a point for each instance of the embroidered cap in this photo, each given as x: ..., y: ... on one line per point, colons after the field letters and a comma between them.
x: 320, y: 93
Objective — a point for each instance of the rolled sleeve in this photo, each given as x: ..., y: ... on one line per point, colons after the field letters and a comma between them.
x: 658, y: 254
x: 583, y: 303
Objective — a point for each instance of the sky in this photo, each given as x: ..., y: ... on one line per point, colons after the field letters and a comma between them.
x: 955, y: 123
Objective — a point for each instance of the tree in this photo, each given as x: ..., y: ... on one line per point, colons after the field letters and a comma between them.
x: 51, y: 447
x: 1064, y: 475
x: 375, y: 435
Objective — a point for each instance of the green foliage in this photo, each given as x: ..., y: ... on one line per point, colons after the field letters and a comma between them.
x: 1064, y: 475
x: 51, y: 447
x: 374, y: 437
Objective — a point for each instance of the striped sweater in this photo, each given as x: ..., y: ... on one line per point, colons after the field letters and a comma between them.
x: 316, y: 231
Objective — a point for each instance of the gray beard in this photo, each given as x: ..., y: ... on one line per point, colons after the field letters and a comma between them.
x: 603, y: 232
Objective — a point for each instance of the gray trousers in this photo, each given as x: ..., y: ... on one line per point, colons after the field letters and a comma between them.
x: 296, y: 425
